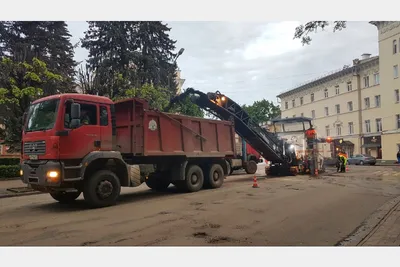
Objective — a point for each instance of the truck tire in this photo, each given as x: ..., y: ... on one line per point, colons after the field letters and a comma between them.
x: 156, y: 182
x: 194, y: 180
x: 214, y: 177
x: 251, y: 167
x: 228, y: 168
x: 102, y: 189
x: 65, y: 197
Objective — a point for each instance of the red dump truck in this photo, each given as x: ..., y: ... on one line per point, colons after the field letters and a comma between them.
x: 74, y: 143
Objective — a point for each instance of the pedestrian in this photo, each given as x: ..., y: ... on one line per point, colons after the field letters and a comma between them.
x: 398, y: 156
x: 338, y: 163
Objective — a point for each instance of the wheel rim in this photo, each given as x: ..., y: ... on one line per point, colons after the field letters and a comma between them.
x: 194, y: 178
x: 104, y: 189
x: 216, y: 176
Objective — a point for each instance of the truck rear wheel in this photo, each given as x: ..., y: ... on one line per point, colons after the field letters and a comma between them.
x: 65, y: 197
x: 251, y: 167
x: 102, y: 189
x: 194, y: 180
x: 156, y: 182
x: 214, y: 178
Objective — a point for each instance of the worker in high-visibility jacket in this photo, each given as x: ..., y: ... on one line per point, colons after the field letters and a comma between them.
x: 343, y: 162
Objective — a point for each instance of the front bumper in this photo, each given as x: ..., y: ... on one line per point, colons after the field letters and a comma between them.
x: 36, y: 173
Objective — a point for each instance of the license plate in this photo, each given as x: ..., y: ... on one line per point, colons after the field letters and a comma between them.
x: 33, y: 157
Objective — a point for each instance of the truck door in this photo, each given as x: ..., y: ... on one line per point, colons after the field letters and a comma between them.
x: 105, y: 127
x: 83, y: 140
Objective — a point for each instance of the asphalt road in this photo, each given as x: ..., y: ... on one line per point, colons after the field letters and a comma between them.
x: 283, y: 211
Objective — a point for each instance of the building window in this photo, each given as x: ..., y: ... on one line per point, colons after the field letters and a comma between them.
x: 326, y: 93
x: 349, y: 87
x: 338, y: 130
x: 376, y: 78
x: 396, y: 71
x: 367, y: 126
x: 312, y: 97
x: 293, y: 103
x: 394, y: 46
x: 327, y: 131
x: 398, y: 121
x: 337, y: 107
x: 396, y: 96
x: 301, y: 101
x: 378, y: 101
x: 378, y: 125
x: 326, y: 111
x: 366, y: 102
x: 350, y: 106
x: 286, y: 105
x: 366, y: 81
x: 337, y: 89
x: 351, y: 128
x: 313, y: 114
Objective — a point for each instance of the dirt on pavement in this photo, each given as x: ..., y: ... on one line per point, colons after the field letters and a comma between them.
x: 283, y: 211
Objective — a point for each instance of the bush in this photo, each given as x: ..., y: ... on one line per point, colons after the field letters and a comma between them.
x: 9, y: 161
x: 10, y: 171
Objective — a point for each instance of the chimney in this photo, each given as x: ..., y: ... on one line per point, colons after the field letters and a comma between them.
x: 365, y: 56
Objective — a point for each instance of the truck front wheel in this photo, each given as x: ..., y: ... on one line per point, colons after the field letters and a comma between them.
x: 102, y: 189
x: 65, y: 197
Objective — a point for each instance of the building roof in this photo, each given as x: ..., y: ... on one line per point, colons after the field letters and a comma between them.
x: 357, y: 66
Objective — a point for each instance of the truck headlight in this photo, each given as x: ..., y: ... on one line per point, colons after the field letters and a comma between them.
x: 53, y: 176
x: 21, y: 173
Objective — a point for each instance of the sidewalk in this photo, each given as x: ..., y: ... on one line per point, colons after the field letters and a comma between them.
x: 387, y: 232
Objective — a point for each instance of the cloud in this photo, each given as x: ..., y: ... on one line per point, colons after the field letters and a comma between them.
x: 253, y: 60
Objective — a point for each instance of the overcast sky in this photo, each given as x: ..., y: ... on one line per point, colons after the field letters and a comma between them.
x: 250, y: 61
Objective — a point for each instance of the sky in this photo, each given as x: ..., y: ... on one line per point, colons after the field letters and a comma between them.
x: 250, y: 61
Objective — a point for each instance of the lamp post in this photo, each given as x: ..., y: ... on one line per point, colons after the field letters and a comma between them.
x: 180, y: 52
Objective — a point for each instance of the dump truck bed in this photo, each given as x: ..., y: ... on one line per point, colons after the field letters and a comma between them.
x: 144, y: 132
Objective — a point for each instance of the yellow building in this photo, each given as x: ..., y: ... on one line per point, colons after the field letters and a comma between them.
x: 179, y: 81
x: 358, y: 104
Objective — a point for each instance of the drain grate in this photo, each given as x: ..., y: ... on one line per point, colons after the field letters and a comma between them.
x: 20, y: 189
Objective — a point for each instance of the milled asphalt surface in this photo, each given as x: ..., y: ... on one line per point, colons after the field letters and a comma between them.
x: 283, y: 211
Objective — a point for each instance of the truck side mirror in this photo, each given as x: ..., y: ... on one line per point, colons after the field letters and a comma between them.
x: 75, y: 111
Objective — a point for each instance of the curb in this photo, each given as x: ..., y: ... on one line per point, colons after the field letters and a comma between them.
x: 357, y: 237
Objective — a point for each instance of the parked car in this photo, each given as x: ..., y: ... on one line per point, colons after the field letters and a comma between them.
x: 361, y: 159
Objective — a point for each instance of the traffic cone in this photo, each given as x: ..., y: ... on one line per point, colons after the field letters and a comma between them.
x: 255, y: 185
x: 347, y: 168
x: 316, y: 172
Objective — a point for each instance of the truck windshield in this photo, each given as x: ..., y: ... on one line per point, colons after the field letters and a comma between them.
x: 42, y: 116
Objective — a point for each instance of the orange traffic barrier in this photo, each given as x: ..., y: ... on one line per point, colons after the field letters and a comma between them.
x: 255, y: 185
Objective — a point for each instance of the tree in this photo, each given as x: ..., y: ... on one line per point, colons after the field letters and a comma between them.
x: 21, y: 83
x: 187, y: 107
x: 140, y: 51
x: 302, y: 32
x: 48, y: 41
x: 262, y: 111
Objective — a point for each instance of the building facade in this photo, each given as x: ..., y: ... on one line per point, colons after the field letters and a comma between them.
x: 358, y: 106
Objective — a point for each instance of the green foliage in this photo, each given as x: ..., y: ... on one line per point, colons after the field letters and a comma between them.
x: 9, y: 161
x: 262, y: 111
x: 157, y: 97
x: 302, y: 32
x: 21, y: 83
x: 187, y: 107
x: 140, y: 51
x: 10, y: 171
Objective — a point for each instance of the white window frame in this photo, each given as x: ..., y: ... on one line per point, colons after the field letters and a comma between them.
x: 350, y: 106
x: 378, y: 101
x: 349, y: 86
x: 337, y: 89
x: 326, y: 93
x: 367, y: 126
x: 396, y: 71
x: 367, y: 102
x: 366, y: 81
x: 396, y: 96
x: 376, y: 78
x: 326, y: 111
x: 337, y: 108
x: 351, y: 127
